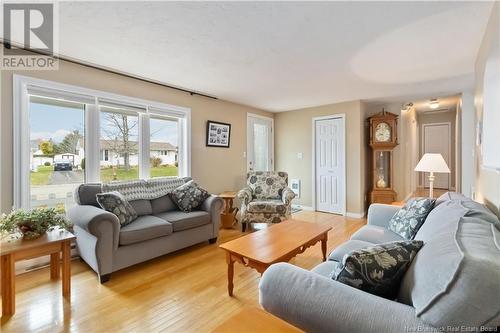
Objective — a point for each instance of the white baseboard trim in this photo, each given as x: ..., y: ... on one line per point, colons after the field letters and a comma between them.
x: 306, y: 208
x: 355, y: 215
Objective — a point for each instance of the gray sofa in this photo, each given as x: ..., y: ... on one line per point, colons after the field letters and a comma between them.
x: 160, y: 229
x: 453, y: 282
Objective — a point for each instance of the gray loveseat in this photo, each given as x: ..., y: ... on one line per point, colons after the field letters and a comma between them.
x: 453, y: 282
x: 160, y: 228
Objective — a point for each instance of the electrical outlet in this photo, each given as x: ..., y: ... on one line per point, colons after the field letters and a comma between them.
x: 300, y: 156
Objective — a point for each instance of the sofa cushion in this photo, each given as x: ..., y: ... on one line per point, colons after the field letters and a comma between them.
x: 375, y: 234
x: 144, y: 228
x: 454, y: 278
x: 189, y: 196
x: 115, y: 203
x: 351, y: 245
x: 267, y: 206
x: 183, y: 221
x: 267, y: 184
x: 85, y: 194
x: 162, y: 204
x: 326, y: 268
x: 142, y: 207
x: 410, y: 218
x: 377, y: 269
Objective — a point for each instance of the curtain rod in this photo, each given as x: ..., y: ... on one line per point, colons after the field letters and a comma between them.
x: 113, y: 71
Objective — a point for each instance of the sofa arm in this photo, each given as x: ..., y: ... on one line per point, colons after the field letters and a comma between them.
x: 380, y: 214
x: 318, y: 304
x: 287, y: 196
x: 100, y: 223
x: 213, y: 205
x: 245, y: 195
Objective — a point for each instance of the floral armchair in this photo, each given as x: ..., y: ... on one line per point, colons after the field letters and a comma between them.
x: 266, y: 198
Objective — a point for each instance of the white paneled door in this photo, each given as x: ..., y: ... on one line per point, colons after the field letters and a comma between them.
x: 260, y: 143
x: 330, y: 165
x: 437, y: 139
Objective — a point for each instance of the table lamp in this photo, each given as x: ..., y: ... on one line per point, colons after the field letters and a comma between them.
x: 432, y: 163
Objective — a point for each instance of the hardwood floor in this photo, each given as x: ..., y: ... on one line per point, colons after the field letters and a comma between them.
x: 182, y: 292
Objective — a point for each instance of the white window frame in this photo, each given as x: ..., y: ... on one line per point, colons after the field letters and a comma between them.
x: 21, y: 140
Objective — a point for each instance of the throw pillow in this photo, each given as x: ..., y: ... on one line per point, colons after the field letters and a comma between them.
x: 377, y: 269
x: 410, y: 218
x: 188, y: 196
x: 115, y: 203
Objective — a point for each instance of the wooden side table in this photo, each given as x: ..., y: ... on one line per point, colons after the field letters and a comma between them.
x: 53, y: 243
x: 228, y: 215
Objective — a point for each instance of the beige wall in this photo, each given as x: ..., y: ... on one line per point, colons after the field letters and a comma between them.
x: 216, y: 169
x: 293, y: 134
x: 487, y: 182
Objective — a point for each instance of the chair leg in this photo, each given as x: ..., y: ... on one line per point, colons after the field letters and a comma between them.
x: 104, y: 278
x: 243, y: 226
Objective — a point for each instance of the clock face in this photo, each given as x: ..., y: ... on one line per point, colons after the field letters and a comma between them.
x: 383, y: 132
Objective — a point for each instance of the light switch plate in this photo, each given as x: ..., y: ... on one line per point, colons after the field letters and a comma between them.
x: 300, y: 155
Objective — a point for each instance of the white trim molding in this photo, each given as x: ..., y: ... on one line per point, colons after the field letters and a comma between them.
x: 305, y: 208
x: 355, y: 215
x: 313, y: 160
x: 24, y: 86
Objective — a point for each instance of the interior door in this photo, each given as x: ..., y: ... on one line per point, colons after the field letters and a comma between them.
x: 260, y: 143
x: 437, y: 139
x: 330, y: 165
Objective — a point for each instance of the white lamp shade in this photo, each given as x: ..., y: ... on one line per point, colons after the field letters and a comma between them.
x: 432, y: 163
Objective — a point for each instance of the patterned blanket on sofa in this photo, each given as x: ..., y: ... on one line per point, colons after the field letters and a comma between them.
x: 145, y: 189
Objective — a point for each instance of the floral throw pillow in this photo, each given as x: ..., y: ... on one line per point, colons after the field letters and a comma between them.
x: 410, y: 218
x: 189, y: 196
x: 378, y: 269
x: 115, y: 203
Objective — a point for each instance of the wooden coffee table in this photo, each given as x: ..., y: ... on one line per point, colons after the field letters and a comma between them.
x: 277, y: 243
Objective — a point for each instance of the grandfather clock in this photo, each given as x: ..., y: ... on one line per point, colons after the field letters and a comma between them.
x: 383, y: 139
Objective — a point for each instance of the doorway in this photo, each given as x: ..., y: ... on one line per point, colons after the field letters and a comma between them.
x: 329, y: 174
x: 260, y: 143
x: 436, y: 138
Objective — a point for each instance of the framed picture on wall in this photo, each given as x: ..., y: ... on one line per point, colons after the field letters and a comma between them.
x: 218, y: 134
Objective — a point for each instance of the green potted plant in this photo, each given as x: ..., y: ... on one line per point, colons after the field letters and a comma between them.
x: 34, y: 223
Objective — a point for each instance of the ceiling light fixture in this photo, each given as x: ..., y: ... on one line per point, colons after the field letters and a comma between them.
x: 434, y: 103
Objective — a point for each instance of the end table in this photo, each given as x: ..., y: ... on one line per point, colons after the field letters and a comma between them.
x: 228, y: 215
x: 54, y: 243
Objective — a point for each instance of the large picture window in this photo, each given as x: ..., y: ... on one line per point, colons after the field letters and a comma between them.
x: 57, y: 151
x: 164, y: 146
x: 120, y: 137
x: 66, y: 135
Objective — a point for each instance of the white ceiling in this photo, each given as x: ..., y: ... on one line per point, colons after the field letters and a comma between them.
x: 283, y: 55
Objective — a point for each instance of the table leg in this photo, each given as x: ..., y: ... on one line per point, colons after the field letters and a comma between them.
x: 230, y: 273
x: 8, y: 285
x: 54, y: 266
x: 66, y: 268
x: 323, y: 246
